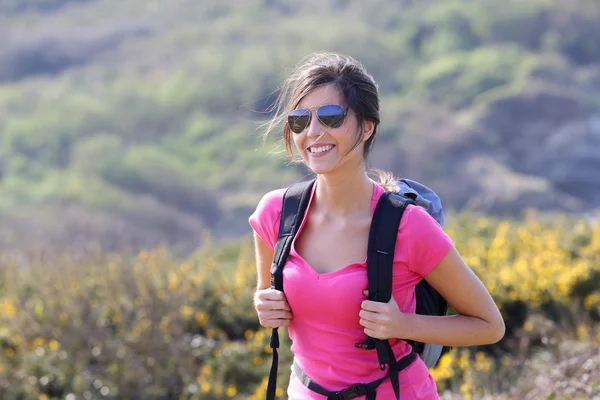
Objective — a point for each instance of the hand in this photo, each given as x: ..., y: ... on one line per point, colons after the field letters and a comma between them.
x: 381, y: 320
x: 272, y: 308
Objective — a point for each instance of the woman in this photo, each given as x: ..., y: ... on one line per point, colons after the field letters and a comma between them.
x: 331, y: 115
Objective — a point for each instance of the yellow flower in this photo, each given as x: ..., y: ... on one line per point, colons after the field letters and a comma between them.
x: 173, y: 281
x: 482, y: 362
x: 464, y: 360
x: 465, y: 389
x: 231, y: 391
x: 444, y: 369
x: 7, y: 308
x: 592, y: 300
x: 204, y: 372
x: 201, y: 318
x: 205, y: 387
x: 187, y: 311
x: 54, y: 345
x: 211, y: 333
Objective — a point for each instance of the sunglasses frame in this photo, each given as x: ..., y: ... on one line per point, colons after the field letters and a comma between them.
x: 316, y: 111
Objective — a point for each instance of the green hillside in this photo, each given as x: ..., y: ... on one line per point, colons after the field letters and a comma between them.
x: 136, y: 122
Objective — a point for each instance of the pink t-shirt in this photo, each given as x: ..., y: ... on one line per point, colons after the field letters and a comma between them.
x: 325, y: 307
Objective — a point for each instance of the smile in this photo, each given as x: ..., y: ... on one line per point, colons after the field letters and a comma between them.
x: 320, y: 149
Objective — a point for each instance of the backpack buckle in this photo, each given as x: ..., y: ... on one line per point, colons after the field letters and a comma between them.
x: 351, y: 393
x: 367, y: 345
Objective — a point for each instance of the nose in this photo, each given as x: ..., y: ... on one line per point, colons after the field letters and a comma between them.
x: 315, y: 128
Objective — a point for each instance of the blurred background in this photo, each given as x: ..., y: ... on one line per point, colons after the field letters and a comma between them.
x: 131, y: 157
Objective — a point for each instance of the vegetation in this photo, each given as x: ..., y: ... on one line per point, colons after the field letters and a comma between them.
x: 131, y: 158
x: 154, y: 326
x: 148, y: 112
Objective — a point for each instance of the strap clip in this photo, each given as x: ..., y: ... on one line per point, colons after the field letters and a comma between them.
x: 351, y: 393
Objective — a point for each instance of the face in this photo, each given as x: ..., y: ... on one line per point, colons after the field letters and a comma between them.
x: 323, y: 148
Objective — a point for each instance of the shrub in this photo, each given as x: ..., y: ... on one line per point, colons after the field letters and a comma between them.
x: 157, y: 326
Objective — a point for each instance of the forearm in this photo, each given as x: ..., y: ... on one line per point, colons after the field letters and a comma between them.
x: 451, y: 330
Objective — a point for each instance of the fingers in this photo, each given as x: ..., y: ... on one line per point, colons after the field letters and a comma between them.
x: 373, y: 306
x: 274, y: 319
x: 272, y: 308
x: 375, y: 325
x: 275, y: 323
x: 268, y: 295
x: 270, y: 299
x: 370, y: 317
x: 365, y: 323
x: 267, y: 305
x: 374, y: 334
x: 372, y: 329
x: 277, y: 314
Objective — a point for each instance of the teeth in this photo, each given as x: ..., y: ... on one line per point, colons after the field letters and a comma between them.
x: 320, y: 149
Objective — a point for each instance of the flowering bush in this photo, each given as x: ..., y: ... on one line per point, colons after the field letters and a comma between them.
x: 154, y: 326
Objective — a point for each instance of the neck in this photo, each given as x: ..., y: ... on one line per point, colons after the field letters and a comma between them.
x: 344, y: 194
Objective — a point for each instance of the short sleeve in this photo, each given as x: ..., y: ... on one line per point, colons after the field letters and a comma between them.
x: 427, y: 243
x: 265, y: 219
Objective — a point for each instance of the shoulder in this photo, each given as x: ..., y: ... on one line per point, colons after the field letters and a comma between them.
x: 272, y: 200
x: 418, y: 225
x: 415, y: 217
x: 269, y: 206
x: 423, y: 239
x: 265, y: 219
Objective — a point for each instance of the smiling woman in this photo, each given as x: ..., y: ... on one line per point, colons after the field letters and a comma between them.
x: 331, y: 119
x: 324, y: 142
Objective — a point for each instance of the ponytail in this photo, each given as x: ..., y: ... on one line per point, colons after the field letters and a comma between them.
x: 387, y: 180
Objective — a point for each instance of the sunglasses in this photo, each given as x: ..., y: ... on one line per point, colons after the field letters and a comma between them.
x: 330, y: 115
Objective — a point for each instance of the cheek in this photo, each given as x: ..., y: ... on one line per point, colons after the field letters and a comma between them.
x: 349, y: 138
x: 297, y: 140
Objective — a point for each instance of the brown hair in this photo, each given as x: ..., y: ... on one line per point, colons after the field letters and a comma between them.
x: 357, y: 87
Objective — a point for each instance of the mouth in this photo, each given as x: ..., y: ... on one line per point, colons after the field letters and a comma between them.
x: 320, y: 149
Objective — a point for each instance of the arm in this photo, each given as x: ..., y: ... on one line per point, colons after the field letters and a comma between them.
x: 264, y: 257
x: 478, y: 321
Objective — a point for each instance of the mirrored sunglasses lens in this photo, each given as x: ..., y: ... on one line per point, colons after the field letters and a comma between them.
x: 298, y: 120
x: 331, y: 115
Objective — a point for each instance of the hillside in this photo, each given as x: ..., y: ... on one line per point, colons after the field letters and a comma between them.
x: 136, y: 122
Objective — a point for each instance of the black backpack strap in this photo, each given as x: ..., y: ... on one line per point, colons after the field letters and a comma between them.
x: 295, y: 202
x: 380, y: 258
x: 369, y: 390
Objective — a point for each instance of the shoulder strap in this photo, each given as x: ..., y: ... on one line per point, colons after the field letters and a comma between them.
x: 380, y: 257
x: 382, y: 243
x: 295, y: 201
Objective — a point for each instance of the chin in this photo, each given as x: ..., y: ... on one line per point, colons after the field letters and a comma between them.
x: 320, y: 169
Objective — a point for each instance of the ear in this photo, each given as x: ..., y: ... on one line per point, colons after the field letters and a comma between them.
x: 368, y: 129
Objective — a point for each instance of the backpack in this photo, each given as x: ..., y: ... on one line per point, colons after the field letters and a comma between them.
x: 380, y: 251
